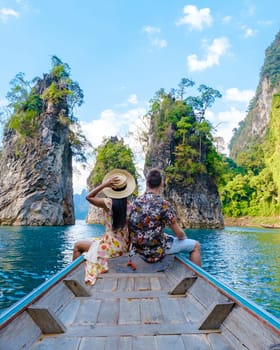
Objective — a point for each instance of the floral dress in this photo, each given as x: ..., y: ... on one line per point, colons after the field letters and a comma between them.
x: 113, y: 243
x: 150, y: 214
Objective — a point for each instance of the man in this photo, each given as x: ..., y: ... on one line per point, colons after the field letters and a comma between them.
x: 149, y: 216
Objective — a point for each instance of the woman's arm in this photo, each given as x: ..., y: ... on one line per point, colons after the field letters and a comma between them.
x: 99, y: 202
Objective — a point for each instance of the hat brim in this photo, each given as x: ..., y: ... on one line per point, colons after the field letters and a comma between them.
x: 127, y: 191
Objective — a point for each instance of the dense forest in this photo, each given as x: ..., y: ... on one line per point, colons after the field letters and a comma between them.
x: 251, y: 183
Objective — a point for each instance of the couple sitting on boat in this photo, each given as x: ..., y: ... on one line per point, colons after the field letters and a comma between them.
x: 138, y: 226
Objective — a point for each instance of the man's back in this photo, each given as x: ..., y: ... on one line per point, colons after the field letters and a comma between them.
x: 149, y: 216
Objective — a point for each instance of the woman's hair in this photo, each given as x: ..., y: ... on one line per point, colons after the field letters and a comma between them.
x: 154, y: 178
x: 119, y: 209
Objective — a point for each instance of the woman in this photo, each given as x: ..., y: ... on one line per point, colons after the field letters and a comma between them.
x: 117, y: 185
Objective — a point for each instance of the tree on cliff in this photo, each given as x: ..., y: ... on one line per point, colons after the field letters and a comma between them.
x: 183, y: 121
x: 111, y: 154
x: 27, y: 102
x: 41, y: 137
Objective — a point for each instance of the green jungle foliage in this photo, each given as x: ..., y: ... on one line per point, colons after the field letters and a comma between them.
x: 253, y: 188
x: 270, y: 68
x: 182, y: 120
x: 111, y: 154
x: 27, y: 105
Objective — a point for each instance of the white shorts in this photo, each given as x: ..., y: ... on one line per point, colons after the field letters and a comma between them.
x: 181, y: 245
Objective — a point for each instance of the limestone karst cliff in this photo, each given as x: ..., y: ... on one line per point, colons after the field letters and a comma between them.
x: 36, y: 170
x: 112, y: 153
x: 197, y: 205
x: 176, y: 146
x: 254, y: 127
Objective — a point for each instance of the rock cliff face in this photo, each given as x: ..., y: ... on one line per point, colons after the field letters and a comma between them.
x: 36, y: 174
x: 198, y: 205
x: 254, y: 127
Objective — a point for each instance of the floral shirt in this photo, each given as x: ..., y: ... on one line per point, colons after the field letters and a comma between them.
x: 149, y: 215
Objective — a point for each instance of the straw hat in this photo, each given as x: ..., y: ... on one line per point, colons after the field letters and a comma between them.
x: 124, y: 188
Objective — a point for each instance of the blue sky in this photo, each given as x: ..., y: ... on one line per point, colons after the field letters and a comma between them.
x: 122, y: 51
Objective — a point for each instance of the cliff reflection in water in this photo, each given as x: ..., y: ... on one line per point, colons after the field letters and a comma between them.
x: 246, y: 259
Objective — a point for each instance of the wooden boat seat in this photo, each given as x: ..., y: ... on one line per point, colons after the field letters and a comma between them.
x: 46, y: 320
x: 216, y: 316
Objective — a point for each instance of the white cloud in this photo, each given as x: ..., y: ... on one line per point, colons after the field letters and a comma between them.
x: 225, y: 122
x: 248, y: 32
x: 110, y: 123
x: 151, y: 30
x: 250, y: 11
x: 154, y: 39
x: 234, y: 94
x: 160, y: 43
x: 6, y: 14
x: 213, y: 54
x: 266, y: 23
x: 132, y: 99
x: 196, y: 19
x: 226, y: 19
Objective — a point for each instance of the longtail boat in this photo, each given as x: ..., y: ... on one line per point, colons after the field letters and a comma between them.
x: 171, y: 304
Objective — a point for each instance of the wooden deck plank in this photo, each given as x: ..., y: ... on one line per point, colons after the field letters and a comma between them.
x: 218, y: 342
x: 236, y: 327
x: 67, y: 316
x: 132, y: 274
x: 15, y: 336
x: 196, y: 342
x: 192, y: 309
x: 206, y: 293
x: 130, y: 329
x: 108, y: 312
x: 155, y: 283
x: 60, y: 296
x: 168, y: 342
x: 143, y: 343
x: 129, y: 311
x: 131, y: 295
x: 106, y: 343
x: 109, y: 284
x: 150, y: 311
x: 126, y: 284
x: 88, y: 311
x: 142, y: 283
x: 62, y: 342
x: 96, y: 343
x: 118, y: 343
x: 171, y: 310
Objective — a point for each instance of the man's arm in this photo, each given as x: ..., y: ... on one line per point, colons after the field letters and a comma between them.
x: 180, y: 234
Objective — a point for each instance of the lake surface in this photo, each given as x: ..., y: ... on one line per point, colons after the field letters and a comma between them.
x: 246, y: 259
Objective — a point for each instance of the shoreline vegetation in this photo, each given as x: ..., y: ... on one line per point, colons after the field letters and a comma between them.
x: 254, y: 221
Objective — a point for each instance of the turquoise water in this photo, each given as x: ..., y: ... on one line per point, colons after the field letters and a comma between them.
x: 246, y: 259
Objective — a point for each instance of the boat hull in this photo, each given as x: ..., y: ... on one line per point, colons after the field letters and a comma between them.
x: 169, y: 304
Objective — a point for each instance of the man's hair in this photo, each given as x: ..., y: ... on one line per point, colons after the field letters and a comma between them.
x: 154, y: 178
